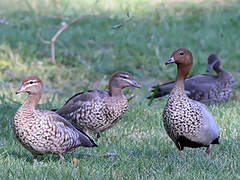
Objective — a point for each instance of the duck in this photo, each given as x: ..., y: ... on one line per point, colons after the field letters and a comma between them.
x: 44, y: 131
x: 95, y: 111
x: 205, y: 88
x: 187, y: 122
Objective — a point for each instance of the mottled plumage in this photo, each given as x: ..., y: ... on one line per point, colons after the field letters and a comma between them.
x: 205, y: 88
x: 99, y: 110
x: 187, y: 122
x: 43, y: 132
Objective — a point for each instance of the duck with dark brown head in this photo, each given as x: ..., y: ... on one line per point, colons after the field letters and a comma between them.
x: 187, y: 122
x: 41, y: 131
x: 99, y: 110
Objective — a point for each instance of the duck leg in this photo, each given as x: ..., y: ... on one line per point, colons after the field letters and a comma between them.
x: 35, y: 161
x: 180, y: 148
x: 181, y: 153
x: 61, y: 160
x: 98, y: 136
x: 208, y: 150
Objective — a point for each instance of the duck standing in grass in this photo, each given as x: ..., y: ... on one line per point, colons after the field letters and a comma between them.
x: 99, y: 110
x: 205, y: 88
x: 43, y: 132
x: 187, y: 122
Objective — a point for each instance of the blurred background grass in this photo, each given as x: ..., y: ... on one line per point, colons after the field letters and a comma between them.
x: 91, y: 50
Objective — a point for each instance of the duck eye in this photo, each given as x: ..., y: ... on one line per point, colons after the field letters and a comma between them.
x: 31, y: 82
x: 181, y: 53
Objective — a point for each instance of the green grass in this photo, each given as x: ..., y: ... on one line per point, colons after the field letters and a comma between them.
x: 144, y: 150
x: 89, y: 52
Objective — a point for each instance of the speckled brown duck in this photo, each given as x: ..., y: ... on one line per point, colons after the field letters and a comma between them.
x: 41, y: 131
x: 187, y: 122
x: 206, y: 88
x: 99, y: 110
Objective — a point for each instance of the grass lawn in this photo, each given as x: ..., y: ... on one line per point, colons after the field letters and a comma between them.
x: 89, y: 52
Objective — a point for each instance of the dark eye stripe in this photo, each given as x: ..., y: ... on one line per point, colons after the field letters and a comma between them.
x: 124, y: 76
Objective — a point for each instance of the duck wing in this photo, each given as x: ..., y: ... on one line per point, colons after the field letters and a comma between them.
x: 209, y: 131
x: 79, y: 100
x: 65, y: 133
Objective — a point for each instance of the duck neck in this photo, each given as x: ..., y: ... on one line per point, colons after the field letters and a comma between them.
x: 116, y: 92
x: 180, y: 82
x: 31, y: 101
x: 223, y: 75
x: 219, y: 69
x: 181, y: 75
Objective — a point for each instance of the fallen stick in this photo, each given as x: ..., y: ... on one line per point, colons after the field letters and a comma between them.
x: 59, y: 32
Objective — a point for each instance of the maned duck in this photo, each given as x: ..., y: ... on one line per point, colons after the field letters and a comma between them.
x: 187, y: 122
x: 99, y: 110
x: 43, y: 132
x: 205, y: 88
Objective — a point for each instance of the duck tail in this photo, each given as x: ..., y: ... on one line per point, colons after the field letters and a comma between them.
x: 216, y: 141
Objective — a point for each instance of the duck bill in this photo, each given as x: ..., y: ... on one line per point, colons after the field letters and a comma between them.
x: 20, y: 89
x: 209, y: 67
x: 170, y: 61
x: 135, y: 84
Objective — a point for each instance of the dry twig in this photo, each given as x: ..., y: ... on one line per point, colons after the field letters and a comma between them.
x: 65, y: 26
x: 117, y: 26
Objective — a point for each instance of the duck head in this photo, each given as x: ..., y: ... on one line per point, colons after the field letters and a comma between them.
x: 184, y: 60
x: 121, y: 80
x: 31, y: 85
x: 214, y: 63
